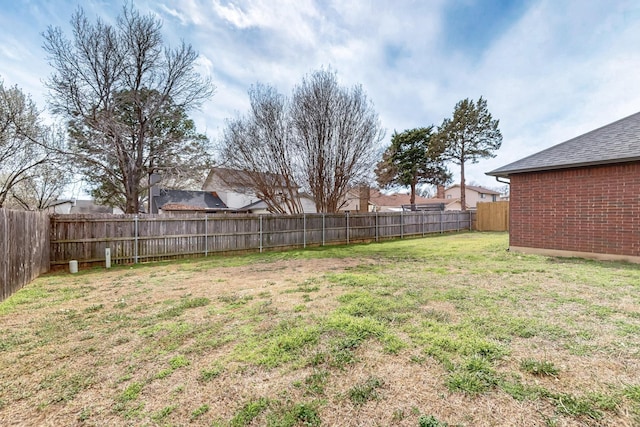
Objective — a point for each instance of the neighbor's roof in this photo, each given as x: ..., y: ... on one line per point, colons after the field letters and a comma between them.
x: 377, y: 198
x: 616, y: 142
x: 260, y: 204
x: 477, y: 189
x: 189, y: 201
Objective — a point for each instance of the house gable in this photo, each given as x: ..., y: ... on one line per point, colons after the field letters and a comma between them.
x: 236, y: 187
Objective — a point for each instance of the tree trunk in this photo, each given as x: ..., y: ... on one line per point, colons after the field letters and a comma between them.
x: 463, y: 189
x: 131, y: 194
x: 412, y: 198
x: 132, y: 202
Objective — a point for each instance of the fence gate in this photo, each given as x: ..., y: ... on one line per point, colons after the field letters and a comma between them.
x: 492, y: 216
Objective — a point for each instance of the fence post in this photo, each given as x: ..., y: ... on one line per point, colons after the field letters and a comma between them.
x: 458, y: 222
x: 470, y: 223
x: 376, y: 226
x: 402, y: 223
x: 422, y: 223
x: 304, y: 230
x: 5, y: 266
x: 441, y: 213
x: 260, y: 233
x: 347, y: 227
x: 206, y: 235
x: 135, y: 249
x: 323, y: 229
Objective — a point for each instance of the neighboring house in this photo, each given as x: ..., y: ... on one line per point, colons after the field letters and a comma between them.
x: 377, y: 201
x: 449, y: 204
x: 394, y: 202
x: 233, y: 189
x: 258, y: 207
x: 358, y: 199
x: 73, y: 206
x: 580, y: 197
x: 308, y: 204
x: 181, y: 201
x: 473, y: 195
x: 62, y: 206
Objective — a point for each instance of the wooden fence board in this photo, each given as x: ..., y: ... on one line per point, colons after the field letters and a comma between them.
x: 24, y: 249
x: 138, y: 238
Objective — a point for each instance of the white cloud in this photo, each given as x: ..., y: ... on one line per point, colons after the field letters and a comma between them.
x: 291, y: 20
x: 560, y: 69
x: 186, y: 11
x: 174, y: 12
x: 235, y: 15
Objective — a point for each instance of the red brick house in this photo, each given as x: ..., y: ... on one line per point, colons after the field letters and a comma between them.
x: 581, y: 197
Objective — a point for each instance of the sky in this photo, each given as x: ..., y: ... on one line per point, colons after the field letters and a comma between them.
x: 550, y: 70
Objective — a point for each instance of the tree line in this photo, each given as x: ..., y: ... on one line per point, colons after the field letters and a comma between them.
x: 123, y: 98
x: 324, y: 139
x: 418, y: 156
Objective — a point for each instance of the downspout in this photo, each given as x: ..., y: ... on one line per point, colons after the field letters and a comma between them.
x: 508, y: 182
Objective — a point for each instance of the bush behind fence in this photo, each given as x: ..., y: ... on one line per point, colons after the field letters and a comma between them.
x: 24, y: 248
x: 139, y: 238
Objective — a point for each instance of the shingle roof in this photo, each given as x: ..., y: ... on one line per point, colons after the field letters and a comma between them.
x: 260, y: 204
x: 189, y: 200
x: 616, y: 142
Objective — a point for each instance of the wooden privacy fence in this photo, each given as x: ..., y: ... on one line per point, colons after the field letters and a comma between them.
x: 492, y: 216
x: 138, y: 238
x: 24, y: 248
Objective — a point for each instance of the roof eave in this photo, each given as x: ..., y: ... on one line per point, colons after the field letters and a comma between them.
x: 507, y: 172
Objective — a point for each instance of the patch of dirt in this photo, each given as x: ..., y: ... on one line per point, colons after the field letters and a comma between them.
x: 69, y: 361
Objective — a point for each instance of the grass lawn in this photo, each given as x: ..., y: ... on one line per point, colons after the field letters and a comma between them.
x: 441, y: 331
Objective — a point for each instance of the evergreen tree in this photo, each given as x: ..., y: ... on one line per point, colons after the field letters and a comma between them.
x: 413, y: 158
x: 470, y: 135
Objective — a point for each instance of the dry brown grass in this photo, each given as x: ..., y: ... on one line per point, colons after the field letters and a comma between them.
x: 74, y: 348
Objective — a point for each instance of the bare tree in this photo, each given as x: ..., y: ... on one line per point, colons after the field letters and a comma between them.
x: 21, y: 133
x: 123, y: 93
x: 337, y: 133
x: 260, y: 148
x: 323, y: 140
x: 45, y: 182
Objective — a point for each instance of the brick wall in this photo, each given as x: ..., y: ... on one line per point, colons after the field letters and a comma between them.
x: 591, y: 209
